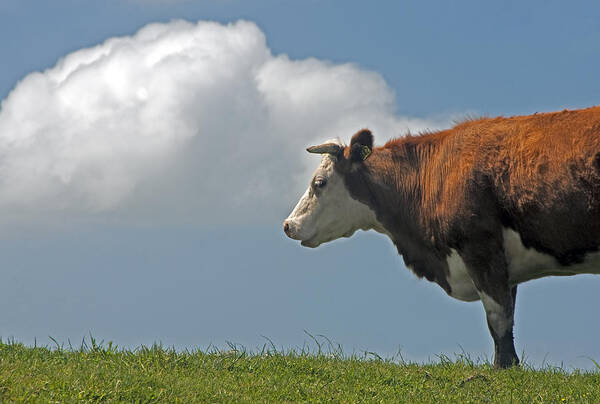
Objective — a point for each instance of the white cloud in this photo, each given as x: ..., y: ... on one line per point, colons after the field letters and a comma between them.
x: 181, y: 121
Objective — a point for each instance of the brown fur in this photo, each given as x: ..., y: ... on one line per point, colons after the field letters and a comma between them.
x: 456, y: 189
x: 537, y: 174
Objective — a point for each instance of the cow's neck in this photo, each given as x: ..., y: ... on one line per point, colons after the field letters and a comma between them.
x: 393, y: 193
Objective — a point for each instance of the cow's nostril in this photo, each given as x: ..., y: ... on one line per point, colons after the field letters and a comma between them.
x: 286, y: 227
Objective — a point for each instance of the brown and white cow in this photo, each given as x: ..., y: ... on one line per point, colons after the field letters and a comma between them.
x: 478, y: 208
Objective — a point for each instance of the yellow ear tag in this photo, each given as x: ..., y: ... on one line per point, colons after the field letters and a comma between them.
x: 365, y: 152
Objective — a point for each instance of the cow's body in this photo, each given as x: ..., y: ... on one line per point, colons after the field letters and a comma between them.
x: 478, y: 208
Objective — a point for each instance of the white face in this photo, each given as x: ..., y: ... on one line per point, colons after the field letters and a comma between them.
x: 326, y: 211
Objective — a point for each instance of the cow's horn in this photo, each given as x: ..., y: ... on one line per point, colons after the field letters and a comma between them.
x: 329, y: 148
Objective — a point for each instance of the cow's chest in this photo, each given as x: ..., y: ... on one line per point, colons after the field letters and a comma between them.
x: 523, y: 264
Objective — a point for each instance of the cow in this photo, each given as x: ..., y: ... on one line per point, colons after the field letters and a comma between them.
x: 477, y: 209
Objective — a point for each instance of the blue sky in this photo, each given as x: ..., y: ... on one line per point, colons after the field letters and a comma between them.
x: 175, y: 246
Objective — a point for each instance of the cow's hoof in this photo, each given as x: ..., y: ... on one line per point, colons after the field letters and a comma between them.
x: 505, y: 361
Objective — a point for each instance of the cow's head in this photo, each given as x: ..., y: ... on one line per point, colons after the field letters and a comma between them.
x: 327, y: 211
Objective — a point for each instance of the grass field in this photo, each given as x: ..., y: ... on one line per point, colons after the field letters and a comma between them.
x: 100, y: 373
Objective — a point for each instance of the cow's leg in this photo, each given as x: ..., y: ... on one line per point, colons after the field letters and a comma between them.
x: 499, y: 310
x: 488, y: 269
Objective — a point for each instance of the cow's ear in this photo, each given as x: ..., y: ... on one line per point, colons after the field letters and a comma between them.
x: 361, y: 145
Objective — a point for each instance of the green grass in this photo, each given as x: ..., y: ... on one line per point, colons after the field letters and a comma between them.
x: 101, y: 373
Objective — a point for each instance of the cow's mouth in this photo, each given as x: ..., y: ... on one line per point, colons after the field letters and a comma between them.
x: 310, y: 243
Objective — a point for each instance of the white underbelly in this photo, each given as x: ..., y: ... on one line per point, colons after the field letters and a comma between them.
x: 524, y: 264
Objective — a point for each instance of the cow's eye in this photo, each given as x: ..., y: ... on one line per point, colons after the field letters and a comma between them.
x: 320, y: 182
